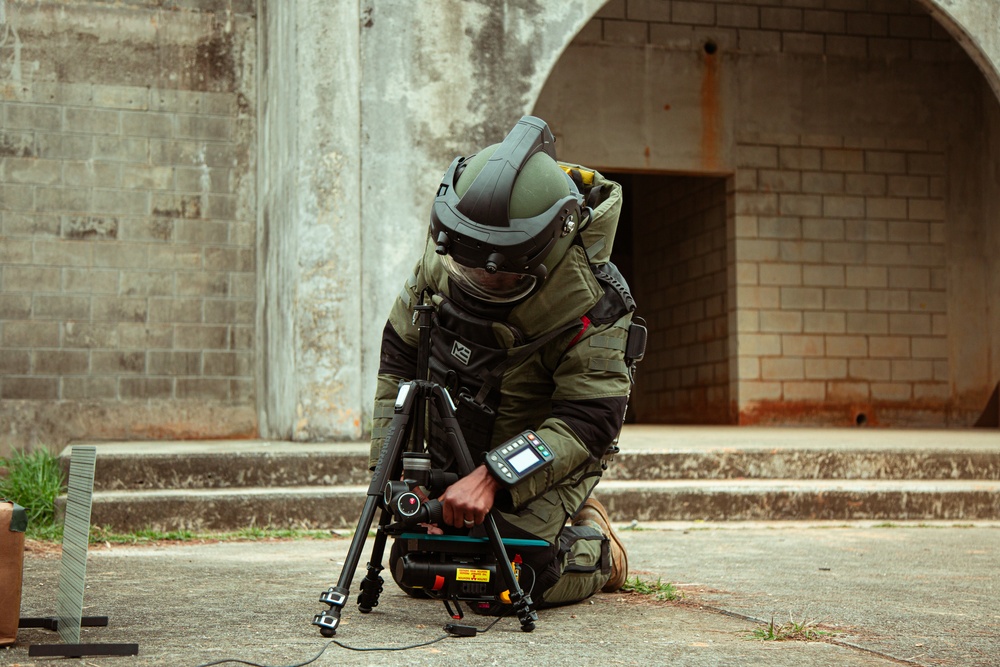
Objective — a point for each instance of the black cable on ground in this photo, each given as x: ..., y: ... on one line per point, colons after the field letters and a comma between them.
x: 256, y: 664
x: 374, y: 648
x: 323, y: 650
x: 391, y: 648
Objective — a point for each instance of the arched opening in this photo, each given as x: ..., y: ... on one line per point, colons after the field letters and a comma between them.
x: 851, y: 150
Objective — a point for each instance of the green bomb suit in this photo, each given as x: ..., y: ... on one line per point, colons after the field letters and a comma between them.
x: 572, y: 390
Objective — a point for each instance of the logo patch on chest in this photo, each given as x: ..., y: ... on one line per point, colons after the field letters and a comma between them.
x: 461, y: 352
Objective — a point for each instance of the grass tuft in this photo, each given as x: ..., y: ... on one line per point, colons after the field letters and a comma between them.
x: 661, y: 590
x: 34, y: 480
x: 790, y: 631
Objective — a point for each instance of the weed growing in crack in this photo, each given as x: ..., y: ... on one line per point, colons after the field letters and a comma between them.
x: 660, y: 590
x: 790, y: 631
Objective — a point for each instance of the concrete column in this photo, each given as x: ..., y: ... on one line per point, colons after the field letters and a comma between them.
x: 309, y: 221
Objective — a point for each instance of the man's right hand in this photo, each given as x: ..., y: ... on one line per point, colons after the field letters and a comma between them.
x: 465, y: 503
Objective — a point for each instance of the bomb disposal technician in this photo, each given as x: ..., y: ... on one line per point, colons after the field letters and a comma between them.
x: 531, y: 337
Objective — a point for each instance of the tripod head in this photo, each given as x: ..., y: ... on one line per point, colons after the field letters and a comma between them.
x: 405, y: 499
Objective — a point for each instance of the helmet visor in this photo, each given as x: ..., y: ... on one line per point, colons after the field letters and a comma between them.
x: 498, y: 287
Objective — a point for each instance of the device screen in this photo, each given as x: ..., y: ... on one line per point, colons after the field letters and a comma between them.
x: 523, y: 460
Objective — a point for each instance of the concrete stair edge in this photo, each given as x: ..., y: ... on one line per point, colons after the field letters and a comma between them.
x: 660, y: 500
x: 205, y: 467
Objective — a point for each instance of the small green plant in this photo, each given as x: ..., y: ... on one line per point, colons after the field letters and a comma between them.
x: 661, y: 590
x: 33, y: 480
x: 805, y: 631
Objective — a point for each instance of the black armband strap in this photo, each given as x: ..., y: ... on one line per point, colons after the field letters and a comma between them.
x: 396, y: 358
x: 595, y: 421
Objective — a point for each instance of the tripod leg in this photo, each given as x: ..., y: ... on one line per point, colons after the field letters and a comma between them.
x: 371, y: 585
x: 445, y: 408
x: 518, y: 598
x: 389, y: 467
x: 336, y: 596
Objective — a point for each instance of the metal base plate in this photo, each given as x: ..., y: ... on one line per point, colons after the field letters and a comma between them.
x: 80, y: 650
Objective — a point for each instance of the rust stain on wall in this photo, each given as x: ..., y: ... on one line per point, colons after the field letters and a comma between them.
x: 711, y: 113
x: 808, y: 412
x: 876, y: 414
x: 696, y: 412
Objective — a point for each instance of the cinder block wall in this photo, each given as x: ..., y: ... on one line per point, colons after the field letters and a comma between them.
x: 861, y: 273
x: 680, y: 267
x: 841, y: 273
x: 127, y: 223
x: 836, y: 28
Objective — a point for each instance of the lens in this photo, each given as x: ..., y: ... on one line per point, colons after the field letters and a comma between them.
x: 498, y: 287
x: 407, y: 505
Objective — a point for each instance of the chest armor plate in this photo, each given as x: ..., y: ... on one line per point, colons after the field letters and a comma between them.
x: 464, y: 355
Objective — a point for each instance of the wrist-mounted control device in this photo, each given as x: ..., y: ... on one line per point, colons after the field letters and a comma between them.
x: 518, y: 458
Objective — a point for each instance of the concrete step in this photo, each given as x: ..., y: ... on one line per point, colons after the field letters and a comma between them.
x: 662, y: 473
x: 647, y: 453
x: 644, y: 501
x: 144, y: 466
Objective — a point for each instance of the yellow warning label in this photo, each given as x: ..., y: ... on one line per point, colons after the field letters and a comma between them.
x: 465, y: 574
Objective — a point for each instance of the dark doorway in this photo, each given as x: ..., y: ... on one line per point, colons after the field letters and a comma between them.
x: 671, y: 247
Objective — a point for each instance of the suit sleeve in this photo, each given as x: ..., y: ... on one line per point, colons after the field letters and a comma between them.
x: 588, y: 407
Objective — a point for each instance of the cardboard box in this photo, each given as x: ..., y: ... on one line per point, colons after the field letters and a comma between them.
x: 13, y: 521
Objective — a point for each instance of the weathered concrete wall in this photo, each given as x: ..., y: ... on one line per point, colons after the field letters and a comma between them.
x: 460, y: 76
x: 127, y: 294
x: 973, y: 24
x: 991, y: 217
x: 973, y: 253
x: 445, y: 77
x: 168, y: 329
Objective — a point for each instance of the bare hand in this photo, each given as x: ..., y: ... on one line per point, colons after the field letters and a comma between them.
x: 465, y: 503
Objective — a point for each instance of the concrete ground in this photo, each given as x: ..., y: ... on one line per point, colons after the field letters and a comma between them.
x: 886, y: 594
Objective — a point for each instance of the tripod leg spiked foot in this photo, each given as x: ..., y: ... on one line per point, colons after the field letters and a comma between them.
x: 526, y: 614
x: 327, y: 622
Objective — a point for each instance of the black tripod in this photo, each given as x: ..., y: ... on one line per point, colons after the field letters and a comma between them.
x: 412, y: 401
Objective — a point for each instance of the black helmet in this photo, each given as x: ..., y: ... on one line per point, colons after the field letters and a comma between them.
x: 503, y: 218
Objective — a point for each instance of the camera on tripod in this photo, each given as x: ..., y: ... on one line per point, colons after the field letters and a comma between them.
x: 449, y: 567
